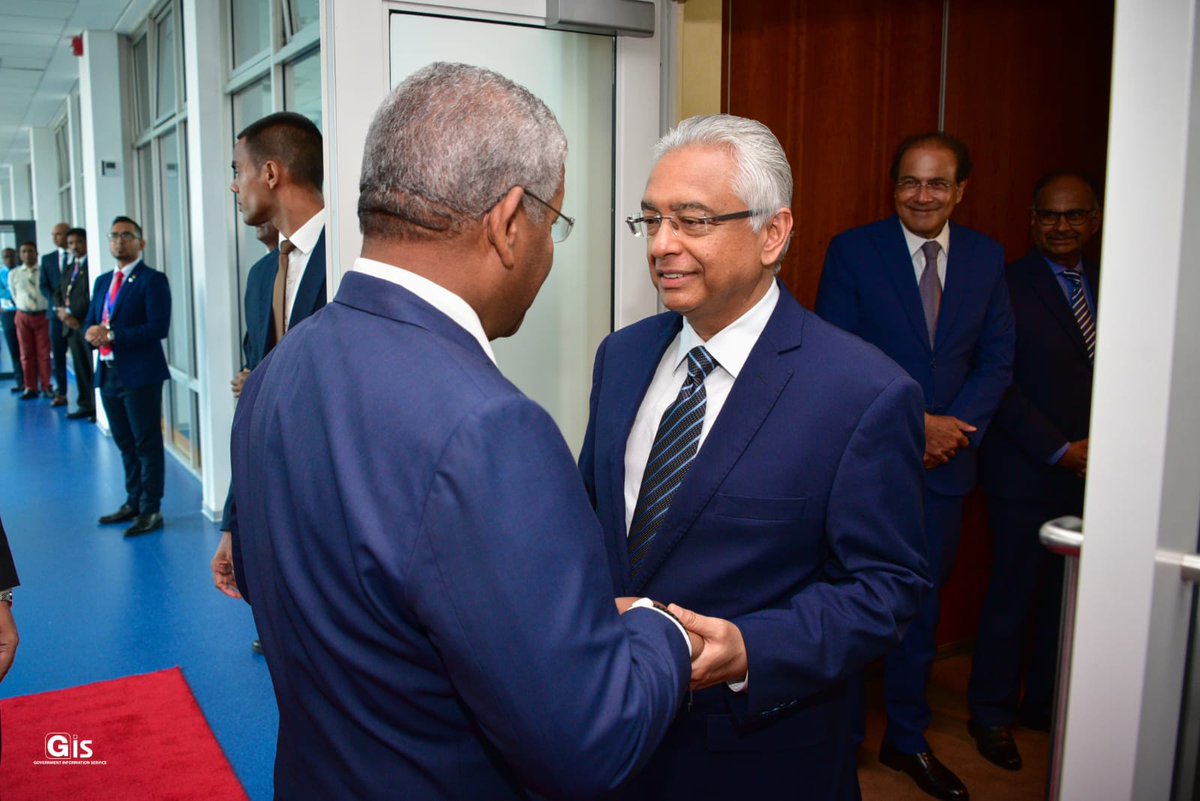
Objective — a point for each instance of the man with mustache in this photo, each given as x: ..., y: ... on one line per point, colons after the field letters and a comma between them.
x: 1033, y: 462
x: 930, y: 294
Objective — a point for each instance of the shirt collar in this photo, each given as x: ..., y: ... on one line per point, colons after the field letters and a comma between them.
x: 1059, y: 269
x: 915, y: 242
x: 305, y: 237
x: 128, y: 268
x: 731, y: 346
x: 435, y: 295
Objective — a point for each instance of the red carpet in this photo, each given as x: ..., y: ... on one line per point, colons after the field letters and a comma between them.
x: 148, y: 741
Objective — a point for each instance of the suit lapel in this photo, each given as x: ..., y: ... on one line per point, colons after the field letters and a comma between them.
x: 958, y: 280
x: 127, y: 288
x: 754, y: 393
x: 312, y: 283
x: 1049, y: 291
x: 897, y: 264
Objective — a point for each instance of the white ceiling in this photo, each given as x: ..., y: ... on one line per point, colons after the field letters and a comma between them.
x: 37, y: 68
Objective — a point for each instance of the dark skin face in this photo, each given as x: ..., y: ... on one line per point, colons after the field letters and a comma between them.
x: 10, y: 257
x: 77, y: 245
x: 1060, y: 241
x: 29, y: 255
x: 59, y: 233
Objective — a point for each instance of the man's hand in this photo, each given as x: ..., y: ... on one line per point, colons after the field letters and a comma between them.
x: 72, y: 323
x: 8, y: 639
x: 97, y: 336
x: 222, y: 567
x: 62, y: 313
x: 626, y: 602
x: 1075, y: 459
x: 944, y: 436
x: 238, y: 382
x: 723, y: 657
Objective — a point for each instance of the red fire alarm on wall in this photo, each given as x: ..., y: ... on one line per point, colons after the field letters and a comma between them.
x: 77, y: 45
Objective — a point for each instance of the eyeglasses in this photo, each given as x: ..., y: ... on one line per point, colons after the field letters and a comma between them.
x: 560, y: 229
x: 1050, y: 217
x: 939, y: 187
x: 646, y: 226
x: 124, y: 236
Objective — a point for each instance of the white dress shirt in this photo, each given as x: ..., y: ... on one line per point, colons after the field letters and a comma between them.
x: 730, y: 347
x: 305, y: 239
x: 918, y: 258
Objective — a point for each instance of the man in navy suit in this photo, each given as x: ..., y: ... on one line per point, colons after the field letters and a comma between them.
x: 73, y: 303
x: 790, y: 528
x: 1032, y: 465
x: 54, y: 265
x: 278, y: 174
x: 930, y: 294
x: 127, y: 321
x: 410, y: 529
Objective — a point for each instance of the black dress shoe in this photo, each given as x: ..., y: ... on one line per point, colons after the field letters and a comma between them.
x: 997, y: 745
x: 256, y: 646
x: 80, y: 414
x: 126, y: 512
x: 17, y: 390
x: 28, y: 394
x: 145, y: 524
x: 930, y: 775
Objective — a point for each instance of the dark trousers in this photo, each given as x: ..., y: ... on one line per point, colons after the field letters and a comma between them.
x: 8, y: 320
x: 135, y: 419
x: 81, y: 358
x: 906, y: 669
x: 1017, y: 642
x: 58, y: 352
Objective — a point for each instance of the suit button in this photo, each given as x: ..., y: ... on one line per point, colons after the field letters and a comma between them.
x: 933, y: 363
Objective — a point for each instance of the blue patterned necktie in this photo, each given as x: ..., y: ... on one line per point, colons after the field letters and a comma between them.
x: 671, y: 456
x: 1083, y: 314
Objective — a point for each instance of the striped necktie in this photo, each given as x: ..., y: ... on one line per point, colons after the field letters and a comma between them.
x: 671, y: 456
x: 1083, y: 314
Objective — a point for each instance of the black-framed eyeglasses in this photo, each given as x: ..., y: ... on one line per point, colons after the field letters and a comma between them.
x: 124, y: 236
x: 560, y: 229
x: 938, y: 186
x: 1050, y: 217
x: 646, y: 226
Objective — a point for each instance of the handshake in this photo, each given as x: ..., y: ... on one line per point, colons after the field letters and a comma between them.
x: 718, y: 651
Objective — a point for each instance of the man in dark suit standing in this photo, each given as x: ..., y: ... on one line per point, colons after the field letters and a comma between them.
x: 1032, y: 465
x: 759, y: 467
x: 73, y: 301
x: 128, y: 318
x: 410, y: 529
x: 55, y: 265
x: 278, y: 175
x: 930, y: 294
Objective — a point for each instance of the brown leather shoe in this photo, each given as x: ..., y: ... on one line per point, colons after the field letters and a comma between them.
x: 59, y: 400
x: 997, y: 745
x: 930, y: 774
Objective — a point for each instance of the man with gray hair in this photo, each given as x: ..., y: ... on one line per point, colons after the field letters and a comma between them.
x: 759, y: 467
x: 424, y: 568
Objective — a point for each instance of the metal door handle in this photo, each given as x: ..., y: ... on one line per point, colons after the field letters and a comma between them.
x: 1064, y: 535
x: 1190, y: 567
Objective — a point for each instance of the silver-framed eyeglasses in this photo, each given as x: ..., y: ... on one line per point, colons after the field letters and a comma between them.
x: 124, y: 236
x: 647, y: 225
x: 1050, y: 217
x: 560, y: 229
x: 938, y: 186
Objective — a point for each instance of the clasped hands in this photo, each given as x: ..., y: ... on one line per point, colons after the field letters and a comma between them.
x: 945, y: 436
x: 718, y: 650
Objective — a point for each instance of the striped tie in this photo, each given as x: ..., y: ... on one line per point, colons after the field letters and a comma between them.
x: 1083, y: 314
x: 675, y: 446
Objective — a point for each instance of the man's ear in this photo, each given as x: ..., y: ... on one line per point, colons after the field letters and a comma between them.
x: 778, y: 231
x: 272, y: 173
x: 500, y: 224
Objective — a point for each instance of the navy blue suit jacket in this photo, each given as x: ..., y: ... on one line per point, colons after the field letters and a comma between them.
x: 868, y: 288
x: 139, y: 322
x: 49, y: 281
x: 8, y: 570
x: 799, y: 521
x: 1050, y: 400
x: 427, y: 574
x: 260, y: 284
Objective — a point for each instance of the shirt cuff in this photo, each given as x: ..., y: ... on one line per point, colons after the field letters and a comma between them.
x: 1058, y: 454
x: 739, y: 686
x: 646, y: 603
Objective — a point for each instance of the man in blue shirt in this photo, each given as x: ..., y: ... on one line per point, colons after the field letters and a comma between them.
x: 8, y: 320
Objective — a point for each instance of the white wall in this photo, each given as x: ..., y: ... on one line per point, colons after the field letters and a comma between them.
x: 103, y: 137
x: 22, y: 191
x: 44, y: 164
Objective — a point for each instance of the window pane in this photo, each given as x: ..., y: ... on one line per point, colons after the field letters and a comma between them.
x: 180, y: 418
x: 174, y: 253
x: 167, y: 44
x: 145, y: 212
x: 141, y: 80
x: 302, y: 86
x: 250, y: 104
x: 304, y: 12
x: 64, y: 157
x: 251, y: 29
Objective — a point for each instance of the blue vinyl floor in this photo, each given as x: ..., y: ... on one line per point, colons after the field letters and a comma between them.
x: 93, y: 606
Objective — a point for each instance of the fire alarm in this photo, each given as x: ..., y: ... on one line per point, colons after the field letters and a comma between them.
x: 77, y: 45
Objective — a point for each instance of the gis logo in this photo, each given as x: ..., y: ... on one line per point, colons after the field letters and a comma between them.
x: 60, y: 745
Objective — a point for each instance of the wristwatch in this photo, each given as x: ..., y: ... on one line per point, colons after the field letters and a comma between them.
x: 111, y: 336
x: 6, y: 595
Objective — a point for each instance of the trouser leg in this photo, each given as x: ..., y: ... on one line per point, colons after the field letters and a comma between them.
x: 81, y: 358
x: 144, y: 408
